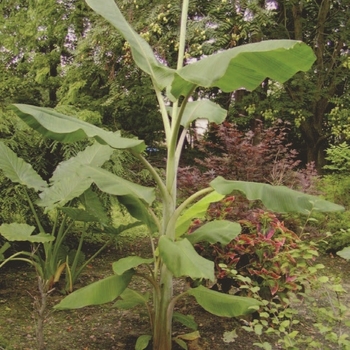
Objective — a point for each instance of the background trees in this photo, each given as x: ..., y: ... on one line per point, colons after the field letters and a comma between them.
x: 311, y: 100
x: 59, y: 53
x: 37, y: 41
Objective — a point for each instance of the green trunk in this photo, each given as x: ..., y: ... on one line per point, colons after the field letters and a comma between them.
x: 163, y: 316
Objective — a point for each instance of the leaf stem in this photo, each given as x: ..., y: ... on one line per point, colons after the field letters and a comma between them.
x: 182, y: 39
x: 189, y: 200
x: 41, y: 229
x: 14, y: 257
x: 163, y: 111
x: 153, y: 172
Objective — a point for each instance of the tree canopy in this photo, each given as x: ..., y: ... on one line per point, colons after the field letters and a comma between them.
x: 60, y: 54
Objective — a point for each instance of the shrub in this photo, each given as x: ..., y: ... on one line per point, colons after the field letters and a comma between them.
x: 335, y: 187
x: 274, y: 258
x: 263, y: 155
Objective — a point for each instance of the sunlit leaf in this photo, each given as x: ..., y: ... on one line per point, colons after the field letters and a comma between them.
x: 60, y: 127
x: 115, y: 185
x: 221, y: 304
x: 62, y: 192
x: 196, y: 211
x: 230, y: 336
x: 130, y: 262
x: 182, y: 260
x: 18, y: 171
x: 100, y: 292
x: 276, y: 198
x: 23, y: 232
x: 189, y: 336
x: 245, y: 66
x: 222, y: 231
x: 95, y: 155
x: 70, y: 179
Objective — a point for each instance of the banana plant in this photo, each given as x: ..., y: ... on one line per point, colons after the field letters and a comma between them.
x: 173, y: 254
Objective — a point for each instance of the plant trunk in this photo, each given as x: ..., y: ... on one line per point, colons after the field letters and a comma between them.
x: 40, y: 308
x: 163, y: 315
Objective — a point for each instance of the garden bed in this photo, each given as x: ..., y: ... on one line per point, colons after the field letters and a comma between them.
x: 109, y: 328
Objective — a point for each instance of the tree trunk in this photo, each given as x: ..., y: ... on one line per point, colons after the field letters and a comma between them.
x: 316, y: 143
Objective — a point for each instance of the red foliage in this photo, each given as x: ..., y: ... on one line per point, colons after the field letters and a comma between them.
x: 260, y: 156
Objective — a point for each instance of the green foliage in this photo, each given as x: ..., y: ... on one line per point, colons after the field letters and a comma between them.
x: 339, y: 117
x: 339, y: 158
x: 335, y: 187
x: 35, y: 42
x: 330, y: 319
x: 279, y: 322
x: 65, y: 185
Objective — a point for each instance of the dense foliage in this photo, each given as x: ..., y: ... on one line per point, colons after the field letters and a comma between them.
x: 82, y: 61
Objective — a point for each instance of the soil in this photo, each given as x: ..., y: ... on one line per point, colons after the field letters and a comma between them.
x: 107, y: 328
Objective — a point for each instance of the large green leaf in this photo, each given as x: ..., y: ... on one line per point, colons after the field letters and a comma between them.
x: 222, y: 231
x: 62, y: 192
x: 276, y: 198
x: 100, y: 292
x: 94, y: 206
x: 128, y: 263
x: 115, y: 185
x: 70, y: 179
x: 95, y: 155
x: 182, y: 260
x: 245, y: 66
x: 18, y: 171
x: 221, y: 304
x: 23, y: 232
x: 203, y: 109
x: 141, y: 51
x: 130, y: 298
x: 63, y: 128
x: 138, y: 210
x: 196, y: 211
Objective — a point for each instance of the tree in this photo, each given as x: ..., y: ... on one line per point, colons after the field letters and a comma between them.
x: 312, y: 100
x: 37, y: 39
